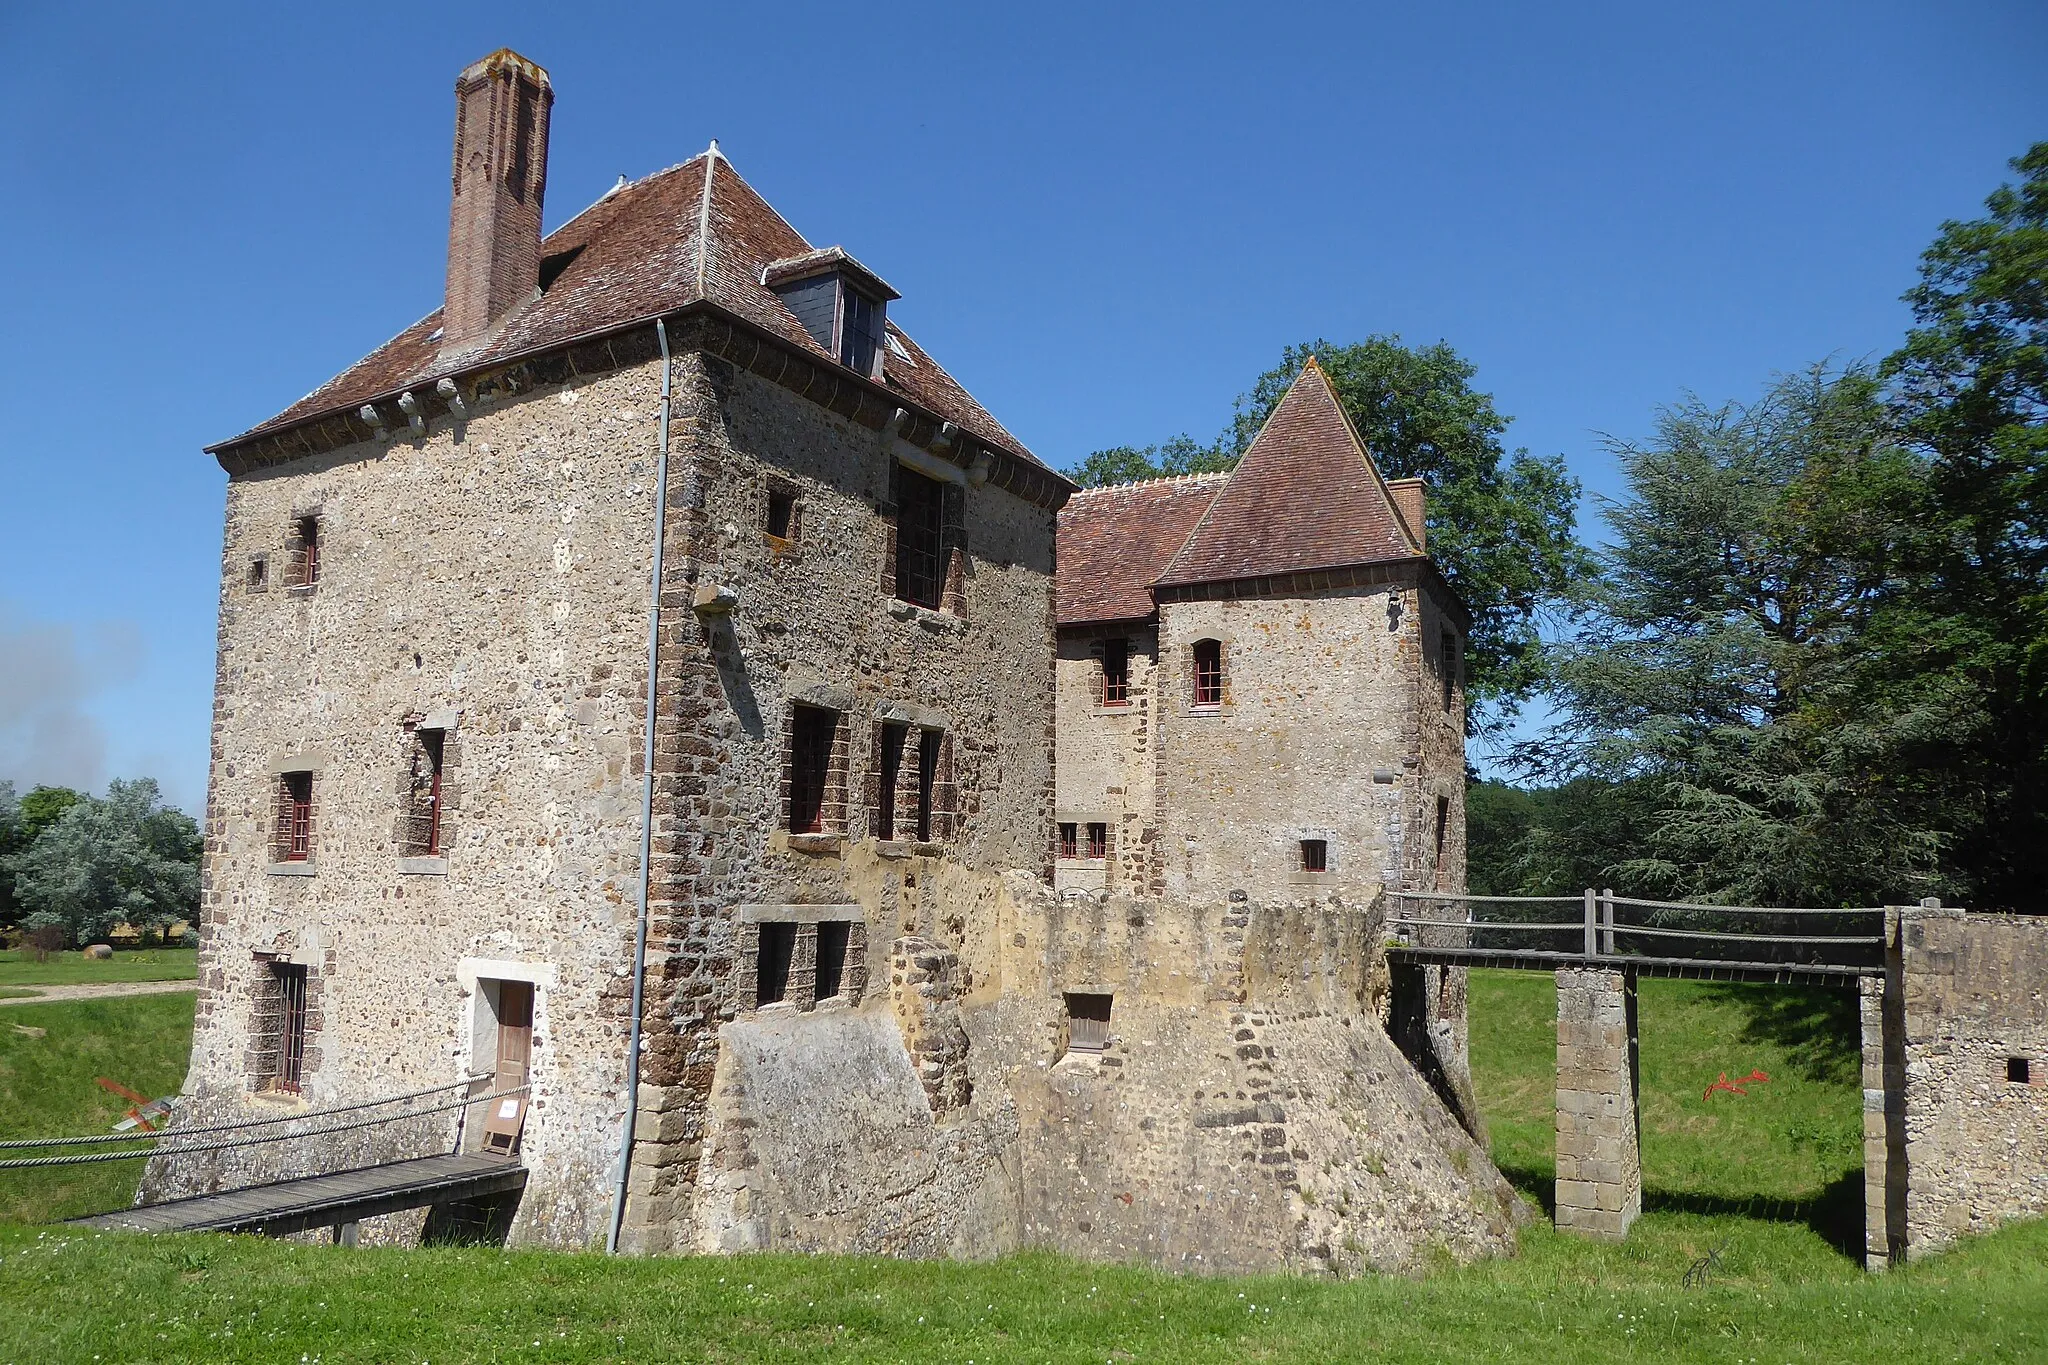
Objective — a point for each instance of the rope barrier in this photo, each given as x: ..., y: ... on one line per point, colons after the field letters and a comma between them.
x: 16, y: 1143
x: 29, y: 1162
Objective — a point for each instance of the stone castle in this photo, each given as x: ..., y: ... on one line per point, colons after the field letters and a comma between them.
x: 652, y: 680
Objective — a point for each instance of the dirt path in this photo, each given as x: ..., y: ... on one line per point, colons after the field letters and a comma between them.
x: 96, y: 990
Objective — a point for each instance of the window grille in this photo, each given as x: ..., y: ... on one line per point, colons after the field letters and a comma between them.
x: 1087, y: 1022
x: 1315, y: 855
x: 812, y: 732
x: 771, y: 972
x: 1070, y: 839
x: 1208, y: 656
x: 289, y: 981
x: 889, y: 762
x: 833, y: 936
x: 1098, y: 839
x: 294, y: 841
x: 1116, y: 672
x: 920, y: 538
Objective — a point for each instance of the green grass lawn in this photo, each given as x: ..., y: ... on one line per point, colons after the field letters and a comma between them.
x: 47, y: 1089
x: 19, y: 968
x: 1753, y: 1182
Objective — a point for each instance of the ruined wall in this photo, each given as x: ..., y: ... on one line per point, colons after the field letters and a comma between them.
x: 490, y: 575
x: 1973, y: 990
x: 1107, y: 770
x: 1248, y: 1112
x: 813, y: 621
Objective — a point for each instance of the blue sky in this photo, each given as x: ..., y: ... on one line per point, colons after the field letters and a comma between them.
x: 1104, y: 220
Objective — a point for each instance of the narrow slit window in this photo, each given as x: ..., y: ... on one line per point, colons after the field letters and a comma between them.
x: 295, y: 818
x: 920, y: 538
x: 259, y: 574
x: 1116, y: 672
x: 1208, y: 672
x: 860, y: 331
x: 1447, y: 662
x: 781, y: 521
x: 1443, y: 821
x: 1098, y: 839
x: 889, y: 764
x: 1087, y: 1022
x: 771, y: 969
x: 423, y: 820
x: 289, y: 980
x: 1070, y: 839
x: 928, y: 742
x: 2019, y: 1070
x: 1315, y: 855
x: 812, y: 731
x: 833, y: 936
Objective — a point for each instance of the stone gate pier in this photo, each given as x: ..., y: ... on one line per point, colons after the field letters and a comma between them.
x: 1599, y: 1126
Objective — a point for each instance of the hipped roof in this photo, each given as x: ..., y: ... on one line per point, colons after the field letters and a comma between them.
x: 692, y: 234
x: 1305, y: 497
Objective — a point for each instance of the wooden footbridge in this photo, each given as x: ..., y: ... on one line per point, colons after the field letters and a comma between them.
x: 488, y: 1177
x: 1598, y: 945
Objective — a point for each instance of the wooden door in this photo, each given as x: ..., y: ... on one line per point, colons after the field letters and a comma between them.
x: 515, y: 1033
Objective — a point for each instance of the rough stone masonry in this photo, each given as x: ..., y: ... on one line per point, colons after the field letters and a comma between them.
x: 869, y: 1021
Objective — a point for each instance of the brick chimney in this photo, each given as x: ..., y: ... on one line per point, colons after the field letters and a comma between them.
x: 1407, y: 495
x: 501, y: 171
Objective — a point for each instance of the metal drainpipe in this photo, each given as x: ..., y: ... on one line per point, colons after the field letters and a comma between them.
x: 611, y: 1244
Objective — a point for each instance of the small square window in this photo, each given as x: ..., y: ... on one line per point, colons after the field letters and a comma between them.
x: 259, y: 573
x: 772, y: 963
x: 1087, y: 1022
x: 2019, y: 1071
x: 1315, y: 855
x: 1098, y: 839
x: 781, y: 521
x: 1070, y: 839
x: 293, y: 842
x: 305, y: 552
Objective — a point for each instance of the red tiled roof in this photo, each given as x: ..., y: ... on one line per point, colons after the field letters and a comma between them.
x: 1114, y: 541
x: 1305, y: 496
x: 639, y: 255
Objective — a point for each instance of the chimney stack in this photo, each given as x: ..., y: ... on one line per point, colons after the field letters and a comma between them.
x: 501, y: 170
x: 1407, y: 495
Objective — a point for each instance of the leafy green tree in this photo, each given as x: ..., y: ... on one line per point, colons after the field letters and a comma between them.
x: 1500, y: 524
x: 1711, y: 683
x: 21, y: 820
x: 1961, y: 632
x: 124, y: 857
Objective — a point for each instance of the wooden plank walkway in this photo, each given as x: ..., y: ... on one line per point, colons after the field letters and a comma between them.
x: 322, y: 1201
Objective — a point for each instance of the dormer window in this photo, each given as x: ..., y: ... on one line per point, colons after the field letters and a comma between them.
x: 842, y: 304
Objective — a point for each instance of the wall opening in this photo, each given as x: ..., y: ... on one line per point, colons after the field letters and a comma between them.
x: 920, y: 538
x: 286, y: 1006
x: 1116, y: 671
x: 812, y: 730
x: 833, y: 936
x: 2019, y: 1070
x: 1208, y: 663
x: 772, y: 964
x: 1315, y: 855
x: 889, y: 763
x: 292, y: 841
x: 1087, y: 1022
x: 1098, y: 839
x: 781, y: 519
x: 1070, y: 839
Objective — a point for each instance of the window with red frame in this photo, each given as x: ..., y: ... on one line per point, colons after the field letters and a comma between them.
x: 1070, y: 839
x: 1116, y: 672
x: 294, y: 818
x: 1208, y: 672
x: 1098, y: 839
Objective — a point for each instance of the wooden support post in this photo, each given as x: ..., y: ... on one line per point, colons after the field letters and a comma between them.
x: 1592, y: 929
x: 1607, y: 922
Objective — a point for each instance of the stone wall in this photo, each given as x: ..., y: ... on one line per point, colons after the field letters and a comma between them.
x: 490, y: 574
x: 1972, y: 996
x: 1599, y: 1119
x: 1248, y: 1112
x: 1107, y: 768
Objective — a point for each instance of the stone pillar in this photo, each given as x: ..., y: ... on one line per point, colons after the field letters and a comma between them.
x: 1884, y: 1121
x: 1599, y: 1133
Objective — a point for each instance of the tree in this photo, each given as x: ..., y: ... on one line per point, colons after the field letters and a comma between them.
x: 1713, y: 679
x: 1500, y: 525
x: 21, y: 821
x: 1962, y: 632
x: 122, y: 858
